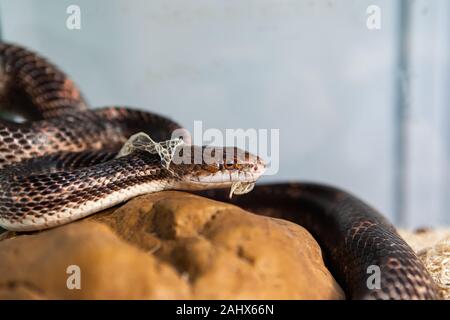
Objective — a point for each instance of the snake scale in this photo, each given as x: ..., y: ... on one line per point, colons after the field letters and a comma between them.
x: 60, y: 164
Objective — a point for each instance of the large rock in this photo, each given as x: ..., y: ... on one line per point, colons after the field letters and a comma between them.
x: 170, y: 245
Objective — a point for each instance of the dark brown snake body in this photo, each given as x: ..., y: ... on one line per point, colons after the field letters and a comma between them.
x: 63, y: 160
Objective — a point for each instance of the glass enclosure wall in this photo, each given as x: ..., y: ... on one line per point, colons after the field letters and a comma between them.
x: 362, y: 108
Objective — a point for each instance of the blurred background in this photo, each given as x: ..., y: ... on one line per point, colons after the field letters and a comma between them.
x: 361, y: 108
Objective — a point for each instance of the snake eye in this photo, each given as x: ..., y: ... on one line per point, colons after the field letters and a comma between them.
x: 228, y: 165
x: 213, y: 168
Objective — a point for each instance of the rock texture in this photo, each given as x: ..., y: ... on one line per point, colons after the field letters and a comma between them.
x: 169, y: 245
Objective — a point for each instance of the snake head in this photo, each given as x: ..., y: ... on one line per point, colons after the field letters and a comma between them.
x: 207, y: 167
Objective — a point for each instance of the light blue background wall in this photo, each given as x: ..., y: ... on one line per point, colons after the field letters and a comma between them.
x: 309, y: 68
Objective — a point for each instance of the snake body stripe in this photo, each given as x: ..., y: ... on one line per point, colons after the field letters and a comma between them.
x: 60, y: 196
x: 31, y: 85
x: 108, y: 129
x: 60, y: 166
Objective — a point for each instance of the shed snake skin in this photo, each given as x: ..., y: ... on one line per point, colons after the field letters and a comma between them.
x: 61, y: 164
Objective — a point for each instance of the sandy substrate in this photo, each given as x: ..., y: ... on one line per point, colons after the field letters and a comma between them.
x: 433, y: 247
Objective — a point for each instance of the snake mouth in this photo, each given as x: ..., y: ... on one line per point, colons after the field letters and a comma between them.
x: 236, y: 186
x: 226, y: 178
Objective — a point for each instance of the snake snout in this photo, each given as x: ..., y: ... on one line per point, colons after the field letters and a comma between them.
x: 242, y: 165
x: 221, y: 167
x: 258, y: 166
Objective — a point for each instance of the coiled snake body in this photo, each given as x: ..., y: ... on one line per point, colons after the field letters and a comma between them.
x: 61, y: 164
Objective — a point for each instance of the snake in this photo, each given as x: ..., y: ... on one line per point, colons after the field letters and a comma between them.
x: 61, y: 160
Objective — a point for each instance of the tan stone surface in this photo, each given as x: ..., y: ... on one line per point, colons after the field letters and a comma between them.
x: 170, y: 245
